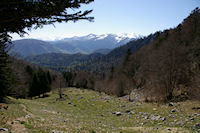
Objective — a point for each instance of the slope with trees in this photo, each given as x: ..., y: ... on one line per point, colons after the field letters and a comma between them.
x: 18, y: 15
x: 167, y: 69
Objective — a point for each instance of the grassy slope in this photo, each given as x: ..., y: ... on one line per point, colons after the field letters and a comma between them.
x: 88, y: 111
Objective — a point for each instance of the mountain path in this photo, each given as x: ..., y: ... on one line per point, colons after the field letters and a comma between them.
x: 17, y: 125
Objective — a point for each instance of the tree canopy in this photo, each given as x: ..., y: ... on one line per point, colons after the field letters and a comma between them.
x: 16, y: 15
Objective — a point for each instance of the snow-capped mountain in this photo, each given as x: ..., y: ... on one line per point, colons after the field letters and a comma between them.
x: 84, y: 44
x: 117, y: 37
x: 92, y: 42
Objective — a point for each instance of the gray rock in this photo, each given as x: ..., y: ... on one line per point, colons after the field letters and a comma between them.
x: 27, y: 116
x: 123, y: 106
x: 192, y: 119
x: 118, y: 113
x: 171, y: 104
x: 173, y: 110
x: 80, y: 98
x: 146, y: 117
x: 4, y: 129
x: 132, y: 112
x: 155, y: 118
x: 163, y: 118
x: 54, y: 131
x: 197, y: 125
x: 171, y: 116
x: 169, y: 129
x: 181, y: 123
x: 140, y: 113
x: 143, y: 123
x: 113, y: 113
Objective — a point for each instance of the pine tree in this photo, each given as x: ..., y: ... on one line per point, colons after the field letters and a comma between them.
x: 18, y: 15
x: 128, y: 54
x: 5, y: 71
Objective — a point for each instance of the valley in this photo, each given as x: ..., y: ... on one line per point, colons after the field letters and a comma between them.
x: 91, y: 112
x: 100, y: 75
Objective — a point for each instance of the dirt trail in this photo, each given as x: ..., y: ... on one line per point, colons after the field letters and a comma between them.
x: 27, y: 112
x: 160, y: 130
x: 18, y: 124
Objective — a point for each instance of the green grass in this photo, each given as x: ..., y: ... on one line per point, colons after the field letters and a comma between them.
x: 90, y: 112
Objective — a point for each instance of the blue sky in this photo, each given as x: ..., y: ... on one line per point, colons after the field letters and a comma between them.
x: 141, y: 17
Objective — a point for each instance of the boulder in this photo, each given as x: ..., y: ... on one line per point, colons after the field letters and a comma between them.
x: 171, y: 104
x: 173, y: 110
x: 118, y: 113
x: 127, y: 111
x: 4, y: 129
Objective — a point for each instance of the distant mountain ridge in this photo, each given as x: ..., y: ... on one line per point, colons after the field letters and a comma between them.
x: 100, y: 61
x: 27, y: 47
x: 83, y: 44
x: 90, y: 43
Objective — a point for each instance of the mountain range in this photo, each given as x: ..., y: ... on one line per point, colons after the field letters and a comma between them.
x: 84, y: 44
x: 97, y: 62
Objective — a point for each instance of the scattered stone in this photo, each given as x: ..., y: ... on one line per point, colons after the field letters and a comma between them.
x: 173, y: 110
x: 113, y: 113
x: 155, y: 118
x: 169, y: 129
x: 192, y: 119
x: 5, y: 107
x: 54, y: 131
x: 197, y: 125
x: 132, y: 112
x: 143, y: 123
x: 127, y: 111
x: 41, y: 119
x: 80, y: 98
x: 171, y: 104
x: 27, y: 116
x: 106, y: 98
x: 123, y: 106
x: 146, y: 117
x: 163, y: 118
x: 181, y: 123
x: 171, y: 116
x: 196, y: 114
x: 118, y: 113
x: 102, y: 115
x: 154, y: 109
x: 196, y: 108
x: 4, y: 129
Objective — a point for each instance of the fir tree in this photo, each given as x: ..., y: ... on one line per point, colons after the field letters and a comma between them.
x: 18, y: 15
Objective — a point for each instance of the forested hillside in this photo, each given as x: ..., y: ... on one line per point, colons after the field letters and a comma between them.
x: 27, y: 47
x: 59, y: 62
x: 96, y: 62
x: 166, y: 69
x: 30, y: 80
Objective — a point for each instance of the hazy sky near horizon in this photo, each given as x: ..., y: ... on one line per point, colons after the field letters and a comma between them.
x: 141, y: 17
